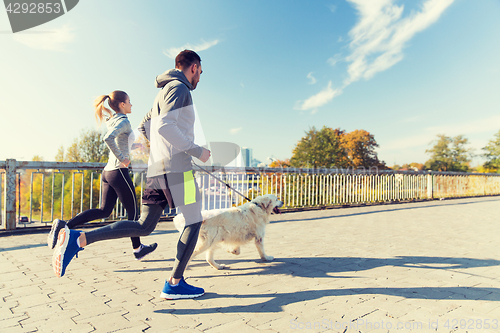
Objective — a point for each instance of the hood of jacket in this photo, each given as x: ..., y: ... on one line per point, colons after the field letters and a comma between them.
x: 112, y: 121
x: 171, y: 75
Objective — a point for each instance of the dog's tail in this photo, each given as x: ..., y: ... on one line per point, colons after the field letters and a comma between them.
x: 179, y: 222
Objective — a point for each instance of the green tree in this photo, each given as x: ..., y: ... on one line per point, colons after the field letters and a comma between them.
x: 60, y: 155
x: 89, y: 147
x: 492, y: 154
x: 319, y: 149
x: 449, y: 154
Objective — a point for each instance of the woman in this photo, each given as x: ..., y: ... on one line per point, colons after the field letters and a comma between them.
x: 116, y: 182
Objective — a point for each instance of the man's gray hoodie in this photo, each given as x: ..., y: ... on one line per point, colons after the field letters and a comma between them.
x: 169, y: 126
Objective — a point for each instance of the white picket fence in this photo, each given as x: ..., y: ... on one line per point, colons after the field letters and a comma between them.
x: 297, y: 188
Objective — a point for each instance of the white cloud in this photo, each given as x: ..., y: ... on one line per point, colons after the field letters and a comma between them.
x: 333, y: 8
x: 320, y: 99
x: 55, y: 40
x: 429, y: 134
x: 469, y: 127
x: 378, y: 39
x: 311, y: 77
x: 333, y: 60
x: 235, y: 130
x: 174, y: 51
x: 381, y: 33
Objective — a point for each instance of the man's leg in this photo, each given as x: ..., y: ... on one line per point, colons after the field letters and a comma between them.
x: 150, y: 215
x: 70, y: 241
x: 185, y: 248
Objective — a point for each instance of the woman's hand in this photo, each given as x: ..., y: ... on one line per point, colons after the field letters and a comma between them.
x: 137, y: 145
x: 125, y: 163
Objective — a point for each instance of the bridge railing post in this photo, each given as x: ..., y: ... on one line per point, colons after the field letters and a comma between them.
x: 430, y: 187
x: 9, y: 196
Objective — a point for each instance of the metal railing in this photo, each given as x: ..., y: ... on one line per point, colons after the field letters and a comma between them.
x: 38, y: 192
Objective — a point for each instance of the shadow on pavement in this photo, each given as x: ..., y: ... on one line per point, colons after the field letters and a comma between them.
x: 278, y: 300
x: 22, y: 247
x: 383, y: 210
x: 318, y: 267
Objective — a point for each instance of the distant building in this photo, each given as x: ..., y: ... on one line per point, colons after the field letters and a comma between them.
x: 247, y: 155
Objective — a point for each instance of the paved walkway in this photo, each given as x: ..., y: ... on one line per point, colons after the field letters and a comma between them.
x: 422, y: 267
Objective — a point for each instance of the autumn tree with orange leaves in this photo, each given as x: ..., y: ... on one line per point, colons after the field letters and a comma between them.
x: 280, y: 163
x: 360, y: 148
x: 330, y: 148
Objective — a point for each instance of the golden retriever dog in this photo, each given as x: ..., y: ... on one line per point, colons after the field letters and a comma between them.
x: 232, y: 227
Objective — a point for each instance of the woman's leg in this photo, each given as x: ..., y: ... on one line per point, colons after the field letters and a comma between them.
x: 124, y: 188
x: 108, y: 202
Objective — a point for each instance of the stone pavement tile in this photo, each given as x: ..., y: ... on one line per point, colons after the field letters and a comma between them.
x: 161, y: 321
x: 141, y: 312
x: 12, y: 320
x: 396, y: 307
x: 438, y: 307
x: 129, y: 300
x: 112, y: 322
x: 28, y: 301
x: 256, y: 319
x: 40, y: 313
x: 6, y: 312
x: 19, y: 283
x: 284, y: 323
x: 103, y: 287
x: 18, y: 329
x: 240, y: 326
x: 495, y: 313
x: 90, y: 310
x: 60, y: 325
x: 16, y: 275
x: 463, y: 321
x: 213, y: 319
x: 139, y: 327
x: 27, y: 290
x: 482, y: 307
x: 420, y: 315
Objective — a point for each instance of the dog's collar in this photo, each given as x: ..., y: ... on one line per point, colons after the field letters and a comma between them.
x: 258, y: 205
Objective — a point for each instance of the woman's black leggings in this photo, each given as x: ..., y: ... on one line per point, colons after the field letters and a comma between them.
x: 115, y: 184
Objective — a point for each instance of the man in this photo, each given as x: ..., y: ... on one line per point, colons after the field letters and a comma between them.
x: 169, y: 126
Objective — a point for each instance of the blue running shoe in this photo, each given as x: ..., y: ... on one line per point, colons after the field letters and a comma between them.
x: 57, y: 225
x: 181, y: 290
x: 66, y: 248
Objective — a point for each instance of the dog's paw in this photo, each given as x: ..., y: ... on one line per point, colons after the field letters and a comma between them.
x: 268, y: 258
x: 220, y: 266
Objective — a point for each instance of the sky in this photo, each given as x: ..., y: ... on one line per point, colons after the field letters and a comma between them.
x: 403, y: 70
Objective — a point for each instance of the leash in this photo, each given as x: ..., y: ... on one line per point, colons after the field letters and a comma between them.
x: 221, y: 181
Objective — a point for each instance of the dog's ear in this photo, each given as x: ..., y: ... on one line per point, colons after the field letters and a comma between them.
x: 268, y: 204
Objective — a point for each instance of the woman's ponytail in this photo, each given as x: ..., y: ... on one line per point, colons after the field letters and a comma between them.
x: 100, y: 110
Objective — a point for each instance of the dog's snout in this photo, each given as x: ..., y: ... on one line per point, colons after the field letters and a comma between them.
x: 280, y: 203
